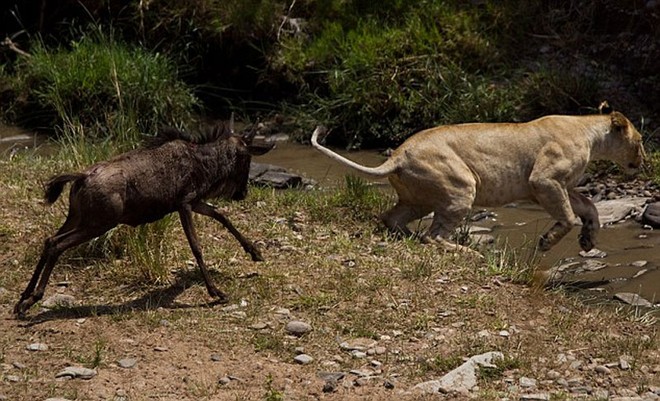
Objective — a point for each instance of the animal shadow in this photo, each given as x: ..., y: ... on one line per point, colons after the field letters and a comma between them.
x: 157, y: 298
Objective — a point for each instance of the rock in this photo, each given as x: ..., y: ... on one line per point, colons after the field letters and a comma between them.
x: 224, y: 380
x: 127, y: 363
x: 602, y: 370
x: 57, y: 399
x: 303, y: 359
x: 651, y: 215
x: 612, y: 211
x: 553, y: 375
x: 298, y: 328
x: 526, y: 382
x: 594, y: 253
x: 273, y: 176
x: 639, y: 263
x: 13, y: 378
x: 37, y: 347
x: 632, y: 299
x: 535, y: 397
x: 461, y: 379
x: 59, y: 300
x: 216, y: 357
x: 358, y: 344
x: 330, y: 386
x: 76, y: 372
x: 327, y: 376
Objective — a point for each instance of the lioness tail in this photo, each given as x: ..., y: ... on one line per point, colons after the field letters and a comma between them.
x: 383, y: 170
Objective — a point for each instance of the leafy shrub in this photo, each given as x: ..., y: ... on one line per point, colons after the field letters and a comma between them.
x: 98, y: 82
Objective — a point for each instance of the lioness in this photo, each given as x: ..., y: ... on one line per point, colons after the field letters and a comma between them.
x: 448, y: 169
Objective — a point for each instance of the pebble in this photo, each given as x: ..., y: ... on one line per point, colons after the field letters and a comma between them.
x: 76, y: 372
x: 303, y: 359
x: 553, y: 375
x: 19, y: 365
x: 216, y: 357
x: 633, y: 299
x: 330, y: 386
x: 328, y: 376
x: 298, y: 328
x: 224, y: 380
x: 624, y: 364
x: 12, y: 378
x: 259, y: 326
x: 639, y: 263
x: 535, y: 397
x: 127, y: 363
x: 57, y: 399
x: 527, y: 382
x: 358, y: 354
x: 594, y: 253
x: 59, y: 300
x: 160, y: 349
x: 358, y: 344
x: 37, y: 347
x: 603, y: 370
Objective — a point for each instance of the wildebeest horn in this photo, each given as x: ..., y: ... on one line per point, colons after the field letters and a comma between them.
x: 231, y: 123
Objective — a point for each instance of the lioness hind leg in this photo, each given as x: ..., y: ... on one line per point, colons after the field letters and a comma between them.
x: 588, y: 214
x: 397, y: 218
x: 444, y: 223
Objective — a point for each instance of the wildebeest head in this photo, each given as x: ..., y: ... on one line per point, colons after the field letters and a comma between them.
x: 246, y: 148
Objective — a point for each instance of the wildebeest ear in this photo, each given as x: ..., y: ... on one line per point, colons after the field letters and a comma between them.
x: 259, y: 149
x: 618, y: 120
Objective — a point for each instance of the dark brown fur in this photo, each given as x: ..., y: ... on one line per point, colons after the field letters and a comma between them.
x: 173, y: 172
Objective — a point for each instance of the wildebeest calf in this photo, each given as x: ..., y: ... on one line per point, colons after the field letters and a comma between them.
x: 173, y: 172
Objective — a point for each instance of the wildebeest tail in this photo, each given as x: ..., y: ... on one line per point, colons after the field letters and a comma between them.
x: 56, y: 184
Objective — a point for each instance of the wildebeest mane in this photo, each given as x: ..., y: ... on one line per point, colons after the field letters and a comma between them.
x: 168, y: 134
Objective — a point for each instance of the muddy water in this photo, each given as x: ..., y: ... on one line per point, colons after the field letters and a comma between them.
x: 520, y: 227
x: 13, y: 139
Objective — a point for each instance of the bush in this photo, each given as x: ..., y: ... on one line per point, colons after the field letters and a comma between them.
x: 100, y: 84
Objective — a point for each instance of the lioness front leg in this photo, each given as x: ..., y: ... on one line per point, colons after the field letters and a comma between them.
x: 554, y: 199
x: 588, y: 214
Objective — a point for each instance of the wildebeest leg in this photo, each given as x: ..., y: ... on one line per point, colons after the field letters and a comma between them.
x: 185, y: 214
x: 584, y: 208
x: 210, y: 211
x: 397, y: 218
x: 53, y: 248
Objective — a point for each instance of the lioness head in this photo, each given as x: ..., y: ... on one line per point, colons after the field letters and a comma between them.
x: 630, y: 153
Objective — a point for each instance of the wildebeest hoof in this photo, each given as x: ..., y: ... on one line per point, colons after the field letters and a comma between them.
x: 256, y: 256
x: 20, y: 309
x: 216, y: 293
x: 544, y: 244
x: 586, y: 243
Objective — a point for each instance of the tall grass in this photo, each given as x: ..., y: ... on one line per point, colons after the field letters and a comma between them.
x: 112, y: 90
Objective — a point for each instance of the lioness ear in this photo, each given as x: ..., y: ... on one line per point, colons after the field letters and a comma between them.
x: 618, y: 120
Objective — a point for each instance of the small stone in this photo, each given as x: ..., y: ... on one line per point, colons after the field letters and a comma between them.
x: 388, y: 385
x: 594, y: 253
x: 527, y: 382
x: 298, y: 328
x: 303, y: 359
x: 127, y: 363
x: 358, y: 354
x: 224, y: 380
x: 216, y: 357
x: 259, y: 326
x: 37, y: 347
x: 19, y: 365
x: 603, y: 370
x: 358, y: 344
x: 59, y: 300
x: 299, y: 350
x: 553, y: 375
x: 504, y: 333
x: 535, y: 397
x: 57, y: 399
x: 330, y: 386
x: 624, y: 364
x: 639, y: 263
x: 327, y: 376
x: 12, y: 378
x: 76, y: 372
x: 632, y: 299
x: 160, y: 349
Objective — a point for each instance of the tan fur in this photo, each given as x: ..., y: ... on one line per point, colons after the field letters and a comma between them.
x: 449, y: 169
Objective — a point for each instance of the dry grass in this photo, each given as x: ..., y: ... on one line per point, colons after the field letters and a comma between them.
x: 330, y: 265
